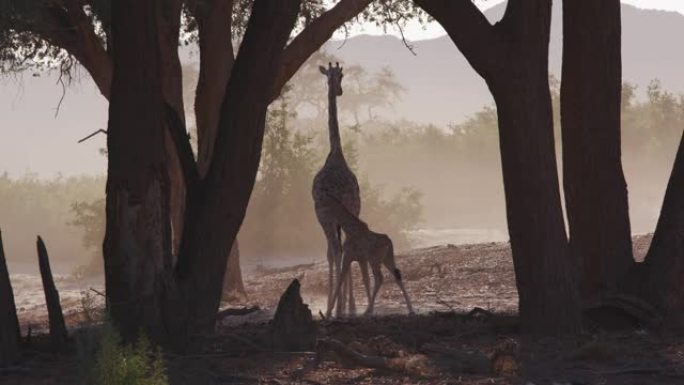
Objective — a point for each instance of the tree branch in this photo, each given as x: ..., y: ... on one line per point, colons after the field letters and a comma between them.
x: 69, y: 28
x: 469, y: 29
x: 214, y: 23
x: 313, y: 37
x: 183, y: 149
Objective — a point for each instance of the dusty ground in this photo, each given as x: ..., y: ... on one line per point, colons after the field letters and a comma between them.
x: 441, y: 345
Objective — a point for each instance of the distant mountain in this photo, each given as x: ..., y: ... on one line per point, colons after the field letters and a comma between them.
x: 441, y: 87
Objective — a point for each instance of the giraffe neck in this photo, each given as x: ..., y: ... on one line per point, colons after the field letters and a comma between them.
x: 333, y: 127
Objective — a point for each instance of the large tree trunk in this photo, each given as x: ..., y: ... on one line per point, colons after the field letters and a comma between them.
x: 214, y: 21
x: 10, y: 335
x: 664, y: 264
x: 137, y: 245
x: 512, y: 57
x: 213, y: 218
x: 58, y: 331
x: 544, y: 271
x: 595, y: 188
x: 145, y: 289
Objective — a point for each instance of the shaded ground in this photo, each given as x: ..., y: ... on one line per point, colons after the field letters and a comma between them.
x: 444, y: 344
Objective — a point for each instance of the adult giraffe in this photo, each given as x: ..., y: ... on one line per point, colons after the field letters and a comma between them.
x: 337, y: 180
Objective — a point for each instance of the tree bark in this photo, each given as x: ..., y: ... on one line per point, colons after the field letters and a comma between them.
x: 312, y: 38
x: 137, y: 245
x: 512, y: 57
x: 595, y: 187
x: 10, y: 334
x: 58, y: 331
x: 664, y: 264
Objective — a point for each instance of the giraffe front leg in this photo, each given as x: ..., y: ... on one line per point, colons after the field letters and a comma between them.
x: 338, y: 289
x: 377, y: 278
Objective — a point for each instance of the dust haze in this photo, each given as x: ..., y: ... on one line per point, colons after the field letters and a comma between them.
x: 420, y: 132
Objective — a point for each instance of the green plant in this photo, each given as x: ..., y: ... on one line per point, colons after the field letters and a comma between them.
x: 118, y: 364
x: 92, y: 313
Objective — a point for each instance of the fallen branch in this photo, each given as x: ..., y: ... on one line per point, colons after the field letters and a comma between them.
x: 478, y: 311
x: 264, y: 270
x: 416, y: 364
x: 98, y: 292
x: 236, y: 312
x: 14, y: 370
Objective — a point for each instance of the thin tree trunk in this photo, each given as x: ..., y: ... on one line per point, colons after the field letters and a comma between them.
x: 213, y: 218
x: 232, y: 281
x: 10, y: 334
x: 664, y: 264
x: 168, y: 22
x: 595, y: 188
x: 58, y: 331
x: 512, y: 57
x: 214, y: 22
x: 137, y: 246
x: 544, y: 272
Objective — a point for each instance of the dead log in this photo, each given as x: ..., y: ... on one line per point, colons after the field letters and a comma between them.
x: 236, y: 312
x: 293, y: 327
x: 10, y: 334
x: 414, y: 364
x: 58, y: 332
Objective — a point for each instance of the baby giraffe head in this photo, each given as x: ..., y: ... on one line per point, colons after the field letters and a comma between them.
x: 335, y: 76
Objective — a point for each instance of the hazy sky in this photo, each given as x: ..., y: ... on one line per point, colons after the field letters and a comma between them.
x: 35, y: 140
x: 417, y: 32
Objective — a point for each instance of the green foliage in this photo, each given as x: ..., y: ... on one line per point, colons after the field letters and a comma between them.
x: 91, y: 312
x: 106, y: 361
x: 128, y: 365
x: 89, y: 217
x: 30, y: 205
x: 363, y: 91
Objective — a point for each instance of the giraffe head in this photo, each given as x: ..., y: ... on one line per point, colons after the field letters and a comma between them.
x: 334, y: 75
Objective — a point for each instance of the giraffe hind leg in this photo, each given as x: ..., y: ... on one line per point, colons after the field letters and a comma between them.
x: 392, y: 267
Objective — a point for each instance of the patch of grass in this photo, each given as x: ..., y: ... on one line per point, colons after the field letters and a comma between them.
x: 106, y: 361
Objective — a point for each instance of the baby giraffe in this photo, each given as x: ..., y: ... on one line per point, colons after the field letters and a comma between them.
x: 366, y: 248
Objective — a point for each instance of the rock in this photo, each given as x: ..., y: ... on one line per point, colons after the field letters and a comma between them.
x: 293, y: 328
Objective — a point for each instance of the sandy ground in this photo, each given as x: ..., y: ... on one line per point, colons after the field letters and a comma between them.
x: 444, y: 282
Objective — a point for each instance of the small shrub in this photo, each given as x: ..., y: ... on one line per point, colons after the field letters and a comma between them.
x: 90, y: 310
x: 118, y: 364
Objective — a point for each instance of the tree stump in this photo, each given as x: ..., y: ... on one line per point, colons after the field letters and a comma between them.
x: 10, y: 334
x: 58, y: 332
x: 293, y: 328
